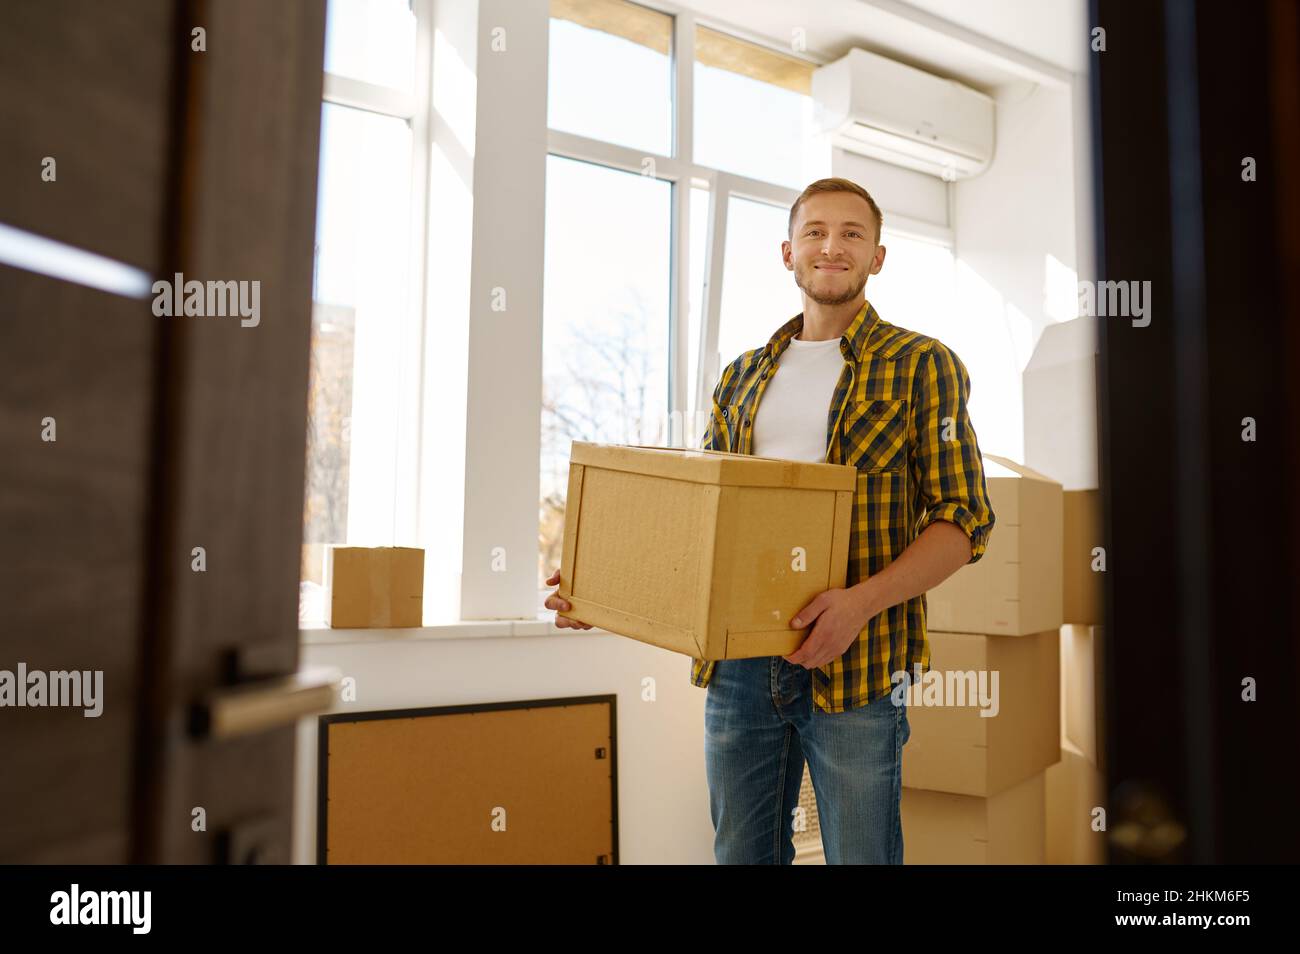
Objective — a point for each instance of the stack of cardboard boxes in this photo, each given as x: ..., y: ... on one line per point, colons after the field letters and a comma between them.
x: 986, y: 719
x: 1075, y: 792
x: 1007, y: 768
x: 1001, y: 766
x: 1061, y: 383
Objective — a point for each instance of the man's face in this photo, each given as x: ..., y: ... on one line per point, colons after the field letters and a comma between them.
x: 833, y: 250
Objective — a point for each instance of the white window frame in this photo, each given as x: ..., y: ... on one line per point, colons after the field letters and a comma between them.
x: 680, y: 170
x: 413, y: 107
x: 683, y: 173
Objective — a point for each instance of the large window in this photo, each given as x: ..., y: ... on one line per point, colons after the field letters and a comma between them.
x: 362, y: 316
x: 666, y: 203
x: 635, y: 246
x: 605, y: 321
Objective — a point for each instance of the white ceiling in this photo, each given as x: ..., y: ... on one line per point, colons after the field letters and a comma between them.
x: 988, y: 44
x: 1052, y: 30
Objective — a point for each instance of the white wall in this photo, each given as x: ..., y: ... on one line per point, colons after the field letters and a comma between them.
x: 1007, y: 222
x: 1014, y: 236
x: 663, y: 797
x: 1061, y: 404
x: 898, y: 191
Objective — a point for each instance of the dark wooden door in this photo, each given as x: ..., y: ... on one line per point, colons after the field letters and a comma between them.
x: 169, y: 433
x: 1200, y: 415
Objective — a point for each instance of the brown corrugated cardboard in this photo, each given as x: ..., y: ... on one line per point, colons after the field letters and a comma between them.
x: 1081, y: 691
x: 702, y: 552
x: 1073, y: 792
x: 1083, y: 598
x: 954, y: 748
x: 374, y: 587
x: 940, y: 828
x: 1014, y: 589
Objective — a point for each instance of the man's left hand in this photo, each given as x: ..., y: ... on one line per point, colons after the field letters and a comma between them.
x: 837, y: 617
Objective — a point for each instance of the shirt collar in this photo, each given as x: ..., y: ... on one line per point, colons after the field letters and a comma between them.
x: 855, y: 335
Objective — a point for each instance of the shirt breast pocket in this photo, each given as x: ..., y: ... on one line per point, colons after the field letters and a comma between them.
x: 726, y: 427
x: 875, y: 436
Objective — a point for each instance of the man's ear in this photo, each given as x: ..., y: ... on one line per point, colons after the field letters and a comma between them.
x: 786, y: 250
x: 879, y: 262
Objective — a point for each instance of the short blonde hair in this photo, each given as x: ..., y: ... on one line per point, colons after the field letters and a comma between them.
x: 835, y: 185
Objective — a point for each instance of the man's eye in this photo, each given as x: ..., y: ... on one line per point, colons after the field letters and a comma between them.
x: 858, y: 234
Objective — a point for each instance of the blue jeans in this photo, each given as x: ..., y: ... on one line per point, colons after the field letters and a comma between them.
x: 759, y: 726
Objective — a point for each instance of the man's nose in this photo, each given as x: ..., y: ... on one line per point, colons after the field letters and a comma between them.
x: 830, y: 247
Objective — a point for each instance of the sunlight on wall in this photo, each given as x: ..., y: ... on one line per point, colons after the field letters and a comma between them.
x: 1060, y: 289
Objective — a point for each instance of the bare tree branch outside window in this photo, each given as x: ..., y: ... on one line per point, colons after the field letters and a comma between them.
x: 612, y: 388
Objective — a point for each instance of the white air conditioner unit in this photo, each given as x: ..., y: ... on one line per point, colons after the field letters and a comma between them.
x: 899, y: 114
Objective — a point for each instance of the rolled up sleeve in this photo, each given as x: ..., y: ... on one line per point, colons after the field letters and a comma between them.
x: 946, y: 463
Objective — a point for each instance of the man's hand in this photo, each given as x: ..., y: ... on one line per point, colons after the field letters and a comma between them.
x: 556, y: 602
x: 941, y: 549
x: 837, y: 617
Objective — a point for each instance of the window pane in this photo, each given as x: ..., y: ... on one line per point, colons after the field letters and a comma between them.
x: 371, y: 40
x: 611, y: 73
x: 605, y: 322
x: 360, y: 297
x: 699, y: 249
x: 758, y: 293
x: 753, y: 112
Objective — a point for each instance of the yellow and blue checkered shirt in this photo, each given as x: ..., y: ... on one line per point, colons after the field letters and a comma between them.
x: 899, y: 415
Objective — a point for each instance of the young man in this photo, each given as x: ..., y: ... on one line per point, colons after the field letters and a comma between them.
x: 837, y: 383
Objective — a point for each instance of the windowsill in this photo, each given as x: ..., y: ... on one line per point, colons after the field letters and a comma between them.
x: 319, y: 634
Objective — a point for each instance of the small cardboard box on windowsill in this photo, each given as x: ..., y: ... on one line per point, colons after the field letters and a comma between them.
x: 374, y: 587
x: 702, y: 552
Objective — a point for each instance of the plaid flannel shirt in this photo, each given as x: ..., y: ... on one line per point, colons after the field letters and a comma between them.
x: 899, y: 416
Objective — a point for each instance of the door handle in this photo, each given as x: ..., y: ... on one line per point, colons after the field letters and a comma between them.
x: 265, y: 704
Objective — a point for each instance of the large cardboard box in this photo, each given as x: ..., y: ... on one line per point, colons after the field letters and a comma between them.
x: 1074, y: 793
x: 1014, y: 589
x: 1082, y: 686
x: 1008, y: 828
x: 702, y: 552
x: 1084, y: 590
x: 954, y: 747
x: 374, y: 587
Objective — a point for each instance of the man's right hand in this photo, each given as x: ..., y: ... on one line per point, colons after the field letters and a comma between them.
x: 554, y: 602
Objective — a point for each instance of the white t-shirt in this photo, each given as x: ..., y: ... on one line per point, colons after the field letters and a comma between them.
x: 795, y: 406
